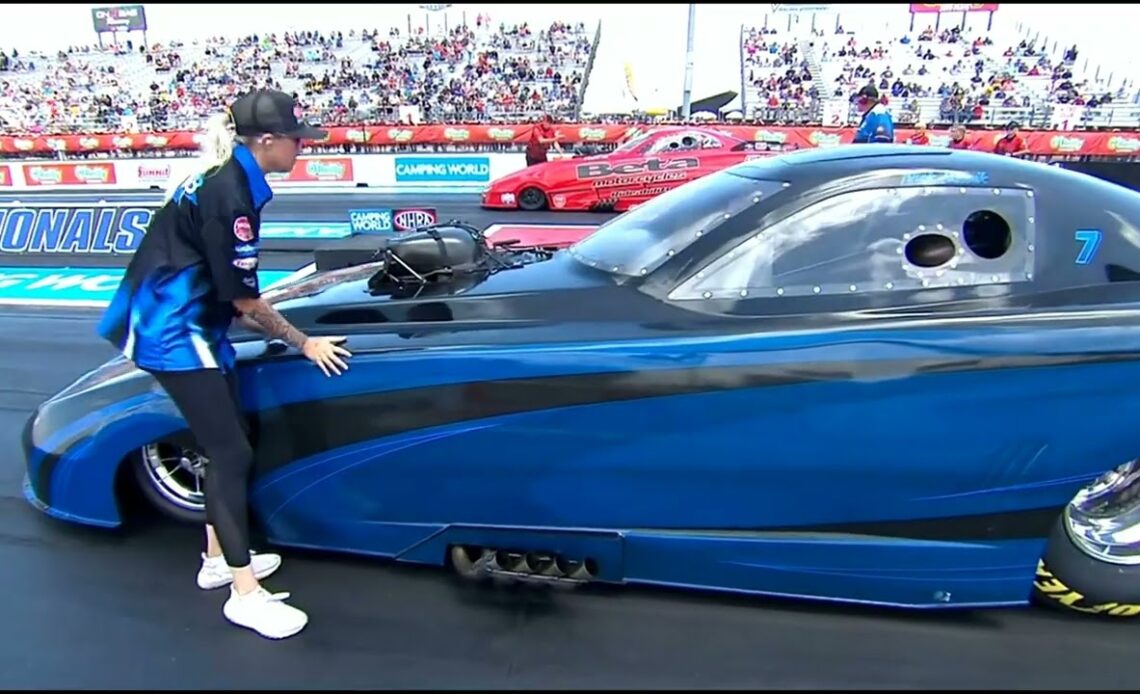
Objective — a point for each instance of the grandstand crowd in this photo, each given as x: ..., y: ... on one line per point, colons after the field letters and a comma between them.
x: 495, y: 72
x: 469, y: 74
x: 781, y: 77
x: 957, y: 76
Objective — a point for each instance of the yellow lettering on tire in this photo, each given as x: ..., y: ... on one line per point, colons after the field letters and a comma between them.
x: 1070, y: 599
x: 1053, y: 588
x: 1113, y: 609
x: 1050, y: 586
x: 1125, y: 611
x: 1060, y: 593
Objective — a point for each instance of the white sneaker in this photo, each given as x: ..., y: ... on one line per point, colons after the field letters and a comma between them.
x: 215, y: 573
x: 264, y: 612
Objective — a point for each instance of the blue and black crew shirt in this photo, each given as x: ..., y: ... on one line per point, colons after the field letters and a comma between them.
x: 173, y: 309
x: 877, y: 125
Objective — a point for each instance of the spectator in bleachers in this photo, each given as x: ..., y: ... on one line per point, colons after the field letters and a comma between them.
x: 359, y: 77
x: 877, y: 124
x: 784, y: 90
x: 960, y: 76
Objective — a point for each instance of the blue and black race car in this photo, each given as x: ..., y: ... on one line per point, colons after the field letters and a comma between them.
x: 877, y: 374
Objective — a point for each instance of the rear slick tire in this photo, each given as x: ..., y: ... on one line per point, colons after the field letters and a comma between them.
x: 1070, y: 579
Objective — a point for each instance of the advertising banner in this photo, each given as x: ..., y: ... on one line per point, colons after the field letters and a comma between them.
x: 101, y: 173
x: 154, y: 173
x: 465, y: 168
x: 121, y: 18
x: 388, y: 221
x: 378, y: 221
x: 317, y: 170
x: 81, y: 229
x: 72, y: 229
x: 450, y: 169
x: 414, y: 218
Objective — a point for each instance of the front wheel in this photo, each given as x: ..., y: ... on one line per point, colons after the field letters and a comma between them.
x: 1092, y: 562
x: 532, y: 199
x: 173, y: 479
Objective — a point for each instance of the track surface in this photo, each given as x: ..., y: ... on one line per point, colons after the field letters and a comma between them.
x: 312, y: 207
x: 94, y: 609
x: 333, y: 206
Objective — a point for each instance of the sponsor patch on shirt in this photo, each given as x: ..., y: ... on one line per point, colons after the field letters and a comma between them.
x: 243, y: 230
x: 245, y: 250
x: 245, y: 263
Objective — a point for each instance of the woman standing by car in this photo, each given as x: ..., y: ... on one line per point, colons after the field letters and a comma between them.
x: 196, y: 270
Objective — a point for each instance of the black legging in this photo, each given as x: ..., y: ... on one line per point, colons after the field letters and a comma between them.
x: 210, y: 402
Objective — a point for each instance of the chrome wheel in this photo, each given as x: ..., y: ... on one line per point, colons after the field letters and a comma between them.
x: 1103, y: 520
x: 177, y: 474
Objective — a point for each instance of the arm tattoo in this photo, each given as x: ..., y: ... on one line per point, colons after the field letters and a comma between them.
x: 275, y: 326
x: 250, y: 325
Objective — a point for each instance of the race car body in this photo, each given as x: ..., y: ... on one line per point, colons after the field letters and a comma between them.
x: 875, y: 374
x: 644, y: 167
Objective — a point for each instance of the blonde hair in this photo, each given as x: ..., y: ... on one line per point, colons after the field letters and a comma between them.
x: 215, y: 148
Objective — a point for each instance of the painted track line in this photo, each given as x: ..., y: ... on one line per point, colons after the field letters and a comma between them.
x: 86, y: 287
x: 54, y: 303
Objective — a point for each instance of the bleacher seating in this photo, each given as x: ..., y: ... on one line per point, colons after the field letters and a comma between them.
x: 946, y: 77
x: 778, y: 84
x: 468, y: 74
x: 494, y: 72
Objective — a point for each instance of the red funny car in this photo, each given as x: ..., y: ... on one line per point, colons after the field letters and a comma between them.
x: 646, y: 166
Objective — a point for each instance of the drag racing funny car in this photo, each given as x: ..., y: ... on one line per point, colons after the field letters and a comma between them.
x: 647, y: 165
x: 871, y: 374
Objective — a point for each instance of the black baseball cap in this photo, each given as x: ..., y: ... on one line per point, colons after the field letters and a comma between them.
x: 869, y: 92
x: 268, y: 111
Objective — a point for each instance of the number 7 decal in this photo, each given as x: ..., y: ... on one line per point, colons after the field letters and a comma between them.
x: 1091, y: 240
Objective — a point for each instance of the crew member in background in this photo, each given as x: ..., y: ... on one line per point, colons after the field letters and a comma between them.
x: 1011, y: 144
x: 877, y: 125
x: 542, y: 137
x: 920, y: 137
x: 958, y: 139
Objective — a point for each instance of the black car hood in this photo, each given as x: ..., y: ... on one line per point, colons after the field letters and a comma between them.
x: 558, y: 289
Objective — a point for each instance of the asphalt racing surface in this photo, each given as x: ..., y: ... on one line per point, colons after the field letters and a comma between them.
x: 313, y: 206
x: 98, y: 609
